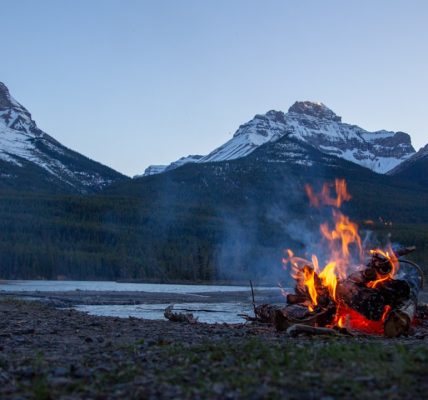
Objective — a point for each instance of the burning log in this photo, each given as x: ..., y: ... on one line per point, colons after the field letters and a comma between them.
x: 296, y: 298
x: 398, y: 321
x: 179, y: 317
x: 299, y: 314
x: 367, y: 301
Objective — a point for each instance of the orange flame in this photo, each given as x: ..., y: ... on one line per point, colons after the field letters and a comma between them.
x: 391, y: 259
x: 329, y: 279
x: 345, y: 252
x: 309, y: 282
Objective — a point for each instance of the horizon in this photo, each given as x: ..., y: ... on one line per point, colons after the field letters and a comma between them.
x: 135, y: 76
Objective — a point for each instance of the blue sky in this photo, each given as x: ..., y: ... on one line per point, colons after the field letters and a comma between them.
x: 131, y: 82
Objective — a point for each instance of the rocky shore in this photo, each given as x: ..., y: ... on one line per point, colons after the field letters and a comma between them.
x: 52, y: 353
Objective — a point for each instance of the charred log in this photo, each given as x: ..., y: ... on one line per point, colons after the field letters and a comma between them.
x: 298, y: 314
x: 265, y: 313
x: 366, y: 301
x: 296, y: 298
x: 394, y: 291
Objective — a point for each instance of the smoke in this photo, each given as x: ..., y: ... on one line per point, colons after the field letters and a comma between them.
x: 254, y: 240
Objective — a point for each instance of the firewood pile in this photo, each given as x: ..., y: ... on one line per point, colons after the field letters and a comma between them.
x: 369, y: 301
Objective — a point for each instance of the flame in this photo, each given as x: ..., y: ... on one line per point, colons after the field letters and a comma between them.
x: 342, y: 239
x: 389, y: 258
x: 346, y: 252
x: 329, y: 279
x: 309, y: 282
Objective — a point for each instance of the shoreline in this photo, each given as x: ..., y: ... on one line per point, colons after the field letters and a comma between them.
x: 245, y: 283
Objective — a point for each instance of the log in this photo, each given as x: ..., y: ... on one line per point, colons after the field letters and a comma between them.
x: 265, y: 313
x: 296, y: 298
x: 398, y: 321
x: 298, y: 314
x: 395, y: 291
x: 281, y: 322
x: 366, y: 301
x: 371, y: 301
x: 179, y: 317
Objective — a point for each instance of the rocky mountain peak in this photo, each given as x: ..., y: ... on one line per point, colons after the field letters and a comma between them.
x: 5, y: 100
x: 8, y: 105
x: 277, y: 116
x: 314, y: 109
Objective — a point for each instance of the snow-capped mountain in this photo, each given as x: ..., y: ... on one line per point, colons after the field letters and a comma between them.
x: 316, y: 125
x: 25, y: 151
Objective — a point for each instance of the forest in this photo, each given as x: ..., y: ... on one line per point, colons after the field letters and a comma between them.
x: 174, y: 228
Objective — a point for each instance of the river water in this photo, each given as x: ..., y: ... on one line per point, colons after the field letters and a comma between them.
x: 220, y: 312
x: 106, y: 286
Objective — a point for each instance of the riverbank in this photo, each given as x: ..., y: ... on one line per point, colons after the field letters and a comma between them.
x: 50, y: 353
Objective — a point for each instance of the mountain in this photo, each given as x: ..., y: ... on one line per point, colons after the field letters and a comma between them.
x: 414, y: 169
x: 316, y: 125
x: 31, y: 160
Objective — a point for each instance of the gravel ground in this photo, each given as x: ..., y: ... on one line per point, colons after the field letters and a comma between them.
x: 50, y: 353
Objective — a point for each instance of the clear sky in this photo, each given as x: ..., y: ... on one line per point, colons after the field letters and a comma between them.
x: 131, y: 82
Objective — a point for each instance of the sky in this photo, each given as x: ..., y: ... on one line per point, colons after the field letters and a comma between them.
x: 131, y: 83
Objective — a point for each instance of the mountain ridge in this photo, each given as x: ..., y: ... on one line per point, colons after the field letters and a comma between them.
x: 313, y: 123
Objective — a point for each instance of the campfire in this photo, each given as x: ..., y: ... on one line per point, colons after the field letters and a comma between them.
x: 351, y: 288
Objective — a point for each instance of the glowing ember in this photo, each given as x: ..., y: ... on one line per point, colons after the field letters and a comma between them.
x: 350, y: 319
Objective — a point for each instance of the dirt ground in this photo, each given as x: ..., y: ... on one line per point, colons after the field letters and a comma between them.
x: 48, y: 352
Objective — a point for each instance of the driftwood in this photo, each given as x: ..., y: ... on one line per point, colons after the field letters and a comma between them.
x: 179, y: 317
